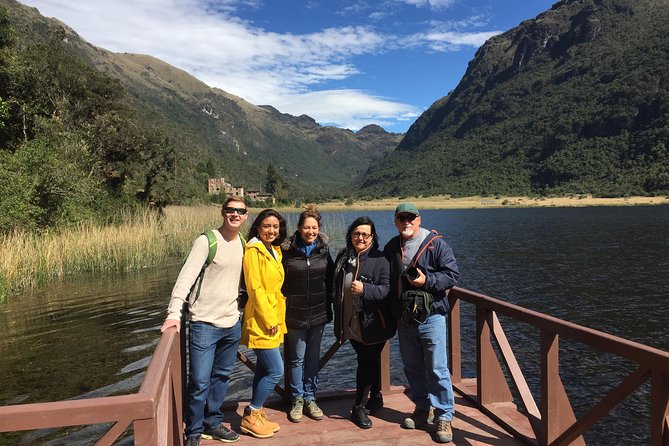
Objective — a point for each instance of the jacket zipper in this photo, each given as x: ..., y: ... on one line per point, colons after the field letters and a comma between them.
x: 308, y: 293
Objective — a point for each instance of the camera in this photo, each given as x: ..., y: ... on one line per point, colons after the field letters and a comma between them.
x: 411, y: 273
x: 364, y: 279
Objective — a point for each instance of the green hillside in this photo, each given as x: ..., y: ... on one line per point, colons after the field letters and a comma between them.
x: 573, y: 101
x: 86, y: 133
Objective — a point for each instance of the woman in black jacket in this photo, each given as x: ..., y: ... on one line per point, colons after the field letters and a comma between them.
x: 362, y: 312
x: 308, y: 290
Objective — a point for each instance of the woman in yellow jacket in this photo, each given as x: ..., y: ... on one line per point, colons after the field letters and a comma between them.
x: 263, y: 325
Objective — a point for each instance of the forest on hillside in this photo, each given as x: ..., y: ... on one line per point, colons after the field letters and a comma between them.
x: 73, y: 145
x: 575, y: 101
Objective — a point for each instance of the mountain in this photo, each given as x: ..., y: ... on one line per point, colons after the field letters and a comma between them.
x: 573, y: 101
x: 218, y: 134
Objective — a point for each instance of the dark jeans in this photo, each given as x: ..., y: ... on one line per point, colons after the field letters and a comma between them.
x: 213, y: 352
x: 368, y: 375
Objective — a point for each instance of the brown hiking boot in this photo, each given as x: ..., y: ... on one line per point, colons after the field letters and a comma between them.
x: 275, y: 426
x: 254, y: 423
x: 444, y: 431
x: 419, y: 418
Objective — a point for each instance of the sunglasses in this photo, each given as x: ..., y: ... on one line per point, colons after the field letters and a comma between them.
x: 405, y: 218
x: 362, y: 235
x: 240, y: 211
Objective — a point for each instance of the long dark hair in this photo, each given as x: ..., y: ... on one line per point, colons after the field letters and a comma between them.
x: 357, y: 222
x: 253, y: 232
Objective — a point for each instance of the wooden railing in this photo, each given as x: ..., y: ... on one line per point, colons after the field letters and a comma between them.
x: 553, y: 423
x: 154, y: 413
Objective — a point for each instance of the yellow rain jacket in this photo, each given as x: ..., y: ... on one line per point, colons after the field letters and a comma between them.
x: 266, y: 307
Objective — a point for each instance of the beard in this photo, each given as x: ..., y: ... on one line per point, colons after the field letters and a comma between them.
x: 407, y: 232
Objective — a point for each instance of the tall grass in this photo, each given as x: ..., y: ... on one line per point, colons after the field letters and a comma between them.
x: 140, y: 240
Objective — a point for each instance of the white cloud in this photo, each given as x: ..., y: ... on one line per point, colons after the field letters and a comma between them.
x: 206, y: 39
x: 377, y: 16
x: 433, y: 4
x: 452, y: 41
x: 352, y: 108
x: 446, y: 41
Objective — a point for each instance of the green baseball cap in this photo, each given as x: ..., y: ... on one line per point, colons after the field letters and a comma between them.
x: 406, y: 208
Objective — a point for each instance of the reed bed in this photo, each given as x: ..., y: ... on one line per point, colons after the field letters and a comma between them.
x: 140, y: 240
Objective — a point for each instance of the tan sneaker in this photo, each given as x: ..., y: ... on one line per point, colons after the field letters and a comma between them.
x: 295, y: 414
x: 254, y: 423
x: 419, y: 418
x: 312, y: 410
x: 274, y: 426
x: 444, y: 431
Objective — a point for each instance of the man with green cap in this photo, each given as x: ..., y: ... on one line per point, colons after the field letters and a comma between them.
x: 422, y: 270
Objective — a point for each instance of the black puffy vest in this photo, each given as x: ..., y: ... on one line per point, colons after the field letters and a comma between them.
x: 307, y: 284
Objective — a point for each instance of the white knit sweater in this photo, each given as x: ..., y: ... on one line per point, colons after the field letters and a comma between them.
x: 217, y: 303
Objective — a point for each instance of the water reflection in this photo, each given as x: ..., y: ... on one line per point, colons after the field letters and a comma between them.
x: 600, y: 267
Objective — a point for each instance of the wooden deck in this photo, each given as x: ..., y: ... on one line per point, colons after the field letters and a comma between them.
x: 470, y: 426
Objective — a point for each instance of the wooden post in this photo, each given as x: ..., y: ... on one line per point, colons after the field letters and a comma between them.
x: 385, y: 367
x: 177, y: 400
x: 146, y: 432
x: 659, y: 409
x: 492, y: 386
x: 287, y: 397
x: 454, y: 336
x: 556, y: 412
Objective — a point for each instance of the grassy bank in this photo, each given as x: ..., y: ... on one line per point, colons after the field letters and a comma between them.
x: 477, y: 202
x: 141, y: 240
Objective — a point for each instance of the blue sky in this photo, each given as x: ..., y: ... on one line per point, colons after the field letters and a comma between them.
x: 345, y: 63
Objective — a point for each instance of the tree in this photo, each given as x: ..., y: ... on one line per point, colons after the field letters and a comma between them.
x: 277, y: 185
x: 273, y: 181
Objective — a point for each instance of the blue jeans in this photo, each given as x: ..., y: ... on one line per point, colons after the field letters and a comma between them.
x: 304, y: 351
x: 423, y: 350
x: 269, y: 370
x: 212, y: 352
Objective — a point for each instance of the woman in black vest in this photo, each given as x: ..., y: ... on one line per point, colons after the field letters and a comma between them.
x: 308, y: 290
x: 362, y: 312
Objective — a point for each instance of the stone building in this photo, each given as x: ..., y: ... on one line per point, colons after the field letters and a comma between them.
x: 258, y: 196
x: 218, y: 186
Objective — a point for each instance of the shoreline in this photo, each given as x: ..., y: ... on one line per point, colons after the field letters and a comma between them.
x: 478, y: 202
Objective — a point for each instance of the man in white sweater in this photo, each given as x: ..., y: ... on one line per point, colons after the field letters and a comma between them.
x: 215, y: 328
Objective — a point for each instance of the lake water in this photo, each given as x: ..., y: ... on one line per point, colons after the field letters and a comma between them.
x: 602, y: 267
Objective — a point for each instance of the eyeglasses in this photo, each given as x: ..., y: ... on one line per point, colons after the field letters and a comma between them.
x: 240, y: 211
x: 405, y: 218
x: 362, y: 235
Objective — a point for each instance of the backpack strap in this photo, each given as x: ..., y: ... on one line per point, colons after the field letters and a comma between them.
x: 212, y: 242
x: 242, y: 295
x: 213, y: 246
x: 415, y: 259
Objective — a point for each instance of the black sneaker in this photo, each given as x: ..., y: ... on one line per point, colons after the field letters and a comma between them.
x: 360, y: 418
x: 193, y: 441
x: 220, y: 433
x: 375, y: 403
